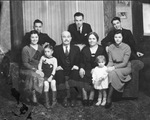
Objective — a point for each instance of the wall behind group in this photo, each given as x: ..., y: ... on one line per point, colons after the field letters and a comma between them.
x: 5, y: 34
x: 124, y: 11
x: 97, y: 13
x: 57, y: 15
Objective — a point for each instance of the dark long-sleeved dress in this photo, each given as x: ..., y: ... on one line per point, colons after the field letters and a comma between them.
x: 119, y: 57
x: 88, y: 63
x: 30, y: 60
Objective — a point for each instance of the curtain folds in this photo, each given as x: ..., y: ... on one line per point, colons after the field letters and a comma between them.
x: 57, y: 15
x: 16, y: 16
x: 5, y: 40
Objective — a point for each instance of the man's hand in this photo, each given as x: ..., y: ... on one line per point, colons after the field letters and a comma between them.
x: 139, y: 54
x: 81, y: 72
x: 59, y: 68
x: 75, y: 67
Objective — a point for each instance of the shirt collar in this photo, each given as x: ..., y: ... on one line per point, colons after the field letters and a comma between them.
x: 64, y: 47
x: 80, y: 29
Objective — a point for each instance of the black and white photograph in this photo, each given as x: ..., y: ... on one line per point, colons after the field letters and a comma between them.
x: 74, y: 60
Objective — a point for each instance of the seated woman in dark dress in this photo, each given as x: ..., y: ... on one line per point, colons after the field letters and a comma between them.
x: 88, y: 57
x: 119, y: 66
x: 31, y: 55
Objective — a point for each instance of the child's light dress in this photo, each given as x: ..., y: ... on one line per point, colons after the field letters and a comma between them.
x: 97, y: 73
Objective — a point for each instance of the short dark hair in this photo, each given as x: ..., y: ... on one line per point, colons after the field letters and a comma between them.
x: 33, y: 32
x: 118, y: 32
x: 48, y: 46
x: 95, y: 34
x: 79, y: 14
x: 37, y: 21
x: 115, y: 18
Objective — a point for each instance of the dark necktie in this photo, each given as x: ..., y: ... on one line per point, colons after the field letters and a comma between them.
x: 66, y: 51
x: 78, y: 30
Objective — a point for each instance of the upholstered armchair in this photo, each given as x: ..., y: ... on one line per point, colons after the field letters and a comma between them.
x: 131, y: 89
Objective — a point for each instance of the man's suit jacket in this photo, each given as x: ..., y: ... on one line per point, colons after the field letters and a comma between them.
x: 127, y: 38
x: 74, y: 55
x: 79, y: 38
x: 43, y: 37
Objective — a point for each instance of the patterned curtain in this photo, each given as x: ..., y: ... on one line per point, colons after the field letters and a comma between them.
x: 57, y: 15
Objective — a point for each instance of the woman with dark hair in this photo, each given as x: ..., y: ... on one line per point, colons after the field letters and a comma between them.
x: 119, y: 66
x: 88, y: 57
x: 31, y: 55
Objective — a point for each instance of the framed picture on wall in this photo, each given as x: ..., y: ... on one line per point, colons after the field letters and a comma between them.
x: 122, y: 15
x: 146, y: 19
x: 123, y: 3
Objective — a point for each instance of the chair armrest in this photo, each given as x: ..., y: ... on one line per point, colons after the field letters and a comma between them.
x: 136, y: 65
x: 14, y: 74
x: 132, y: 87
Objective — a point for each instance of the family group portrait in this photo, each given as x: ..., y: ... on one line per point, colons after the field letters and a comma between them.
x: 74, y: 60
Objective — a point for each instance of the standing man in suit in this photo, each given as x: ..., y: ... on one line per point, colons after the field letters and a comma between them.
x: 127, y: 38
x: 68, y: 67
x: 79, y: 30
x: 43, y: 37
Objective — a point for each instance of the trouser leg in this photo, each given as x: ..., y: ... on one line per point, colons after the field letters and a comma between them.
x: 73, y: 93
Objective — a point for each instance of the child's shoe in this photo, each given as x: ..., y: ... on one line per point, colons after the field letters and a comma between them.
x: 103, y: 102
x: 99, y: 102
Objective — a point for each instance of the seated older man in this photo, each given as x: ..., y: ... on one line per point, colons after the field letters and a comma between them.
x: 68, y: 65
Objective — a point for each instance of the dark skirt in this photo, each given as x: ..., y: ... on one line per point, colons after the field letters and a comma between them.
x: 33, y: 81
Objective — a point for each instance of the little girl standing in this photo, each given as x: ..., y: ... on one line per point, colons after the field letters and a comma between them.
x: 48, y: 65
x: 100, y: 79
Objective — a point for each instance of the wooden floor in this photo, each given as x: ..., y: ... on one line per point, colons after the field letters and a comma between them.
x: 138, y: 109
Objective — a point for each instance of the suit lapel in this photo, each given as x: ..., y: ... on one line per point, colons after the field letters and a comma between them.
x: 62, y: 50
x: 62, y: 54
x: 124, y: 35
x: 84, y: 29
x: 71, y: 53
